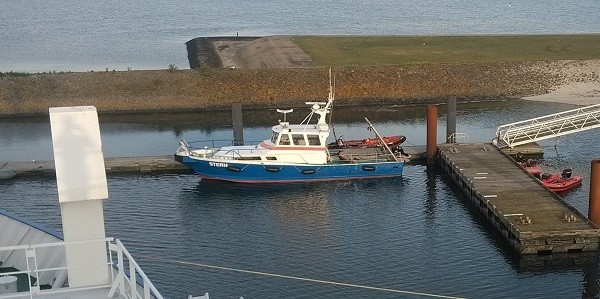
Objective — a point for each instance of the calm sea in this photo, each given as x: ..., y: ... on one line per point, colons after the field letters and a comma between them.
x: 84, y: 35
x: 414, y: 233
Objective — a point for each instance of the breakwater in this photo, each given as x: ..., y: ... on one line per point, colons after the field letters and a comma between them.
x: 205, y: 88
x: 202, y: 53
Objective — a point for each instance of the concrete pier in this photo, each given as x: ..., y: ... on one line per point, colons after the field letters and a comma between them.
x: 533, y: 219
x: 151, y: 164
x: 143, y: 165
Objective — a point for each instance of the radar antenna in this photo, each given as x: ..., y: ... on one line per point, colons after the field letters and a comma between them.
x: 285, y: 112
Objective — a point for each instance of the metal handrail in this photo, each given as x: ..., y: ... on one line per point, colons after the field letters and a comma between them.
x: 216, y: 143
x: 30, y: 252
x: 553, y: 125
x: 134, y: 270
x: 212, y: 142
x: 559, y: 115
x: 458, y: 138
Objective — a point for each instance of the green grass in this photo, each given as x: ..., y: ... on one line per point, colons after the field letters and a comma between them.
x: 385, y: 50
x: 14, y: 74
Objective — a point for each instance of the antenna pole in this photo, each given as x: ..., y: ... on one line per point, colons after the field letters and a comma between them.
x: 381, y: 140
x: 331, y: 95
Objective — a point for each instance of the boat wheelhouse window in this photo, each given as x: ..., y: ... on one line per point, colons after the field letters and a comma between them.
x: 274, y: 137
x: 284, y: 139
x: 313, y: 140
x: 298, y: 139
x: 271, y: 158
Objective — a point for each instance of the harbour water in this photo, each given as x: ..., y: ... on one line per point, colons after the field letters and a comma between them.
x: 85, y: 35
x: 413, y: 233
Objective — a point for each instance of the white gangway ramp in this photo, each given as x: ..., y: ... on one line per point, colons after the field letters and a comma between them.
x: 549, y: 126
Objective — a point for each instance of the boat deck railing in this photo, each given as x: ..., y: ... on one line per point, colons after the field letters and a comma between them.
x: 212, y: 143
x: 216, y: 143
x: 126, y: 278
x: 207, y: 148
x: 362, y: 158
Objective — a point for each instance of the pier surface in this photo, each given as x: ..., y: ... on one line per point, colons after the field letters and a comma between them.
x: 531, y: 218
x: 148, y: 164
x: 145, y: 164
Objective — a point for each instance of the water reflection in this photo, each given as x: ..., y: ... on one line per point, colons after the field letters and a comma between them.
x: 432, y: 173
x: 591, y: 277
x: 416, y: 232
x: 24, y: 139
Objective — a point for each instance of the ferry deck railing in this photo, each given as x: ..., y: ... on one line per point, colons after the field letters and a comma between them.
x: 125, y: 275
x: 549, y: 126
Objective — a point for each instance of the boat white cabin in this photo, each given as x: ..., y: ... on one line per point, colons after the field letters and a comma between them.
x: 304, y: 143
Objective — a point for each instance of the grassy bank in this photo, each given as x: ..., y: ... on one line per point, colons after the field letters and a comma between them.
x: 393, y: 70
x: 378, y: 50
x: 143, y: 91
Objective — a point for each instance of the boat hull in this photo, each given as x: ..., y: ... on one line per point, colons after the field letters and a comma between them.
x: 234, y: 171
x: 532, y: 167
x: 563, y: 184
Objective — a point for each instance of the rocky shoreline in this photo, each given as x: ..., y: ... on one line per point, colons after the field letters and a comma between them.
x: 269, y: 73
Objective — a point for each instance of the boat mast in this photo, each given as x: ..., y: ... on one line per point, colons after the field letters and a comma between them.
x: 331, y: 97
x: 381, y: 140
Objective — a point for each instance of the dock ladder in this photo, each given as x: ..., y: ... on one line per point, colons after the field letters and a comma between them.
x: 549, y: 126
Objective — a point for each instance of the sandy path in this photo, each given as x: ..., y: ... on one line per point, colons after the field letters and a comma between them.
x: 578, y: 93
x: 266, y: 52
x: 579, y: 83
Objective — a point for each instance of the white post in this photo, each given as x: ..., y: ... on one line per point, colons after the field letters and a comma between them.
x: 81, y: 182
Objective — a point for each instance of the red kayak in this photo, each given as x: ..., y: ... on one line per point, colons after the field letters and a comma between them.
x: 391, y: 141
x: 562, y: 182
x: 532, y: 166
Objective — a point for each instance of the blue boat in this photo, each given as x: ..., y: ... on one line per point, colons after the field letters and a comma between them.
x: 294, y: 153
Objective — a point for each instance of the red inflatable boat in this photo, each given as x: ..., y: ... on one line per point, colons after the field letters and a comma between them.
x: 562, y: 182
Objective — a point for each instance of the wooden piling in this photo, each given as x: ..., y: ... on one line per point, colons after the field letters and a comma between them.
x: 238, y: 125
x: 451, y: 120
x: 594, y: 200
x: 431, y: 132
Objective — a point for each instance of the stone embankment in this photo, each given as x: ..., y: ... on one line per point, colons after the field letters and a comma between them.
x: 206, y: 51
x: 273, y: 72
x: 184, y: 90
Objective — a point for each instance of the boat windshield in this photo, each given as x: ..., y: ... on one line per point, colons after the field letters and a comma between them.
x: 284, y: 139
x: 314, y: 140
x: 298, y: 139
